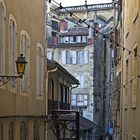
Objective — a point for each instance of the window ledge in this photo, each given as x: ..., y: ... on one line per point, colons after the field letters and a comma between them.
x: 39, y: 97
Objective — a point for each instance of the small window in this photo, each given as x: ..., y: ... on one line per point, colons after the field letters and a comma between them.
x: 11, y: 131
x: 80, y: 57
x: 112, y: 53
x: 2, y: 37
x: 80, y: 77
x: 39, y: 70
x: 36, y: 131
x: 74, y: 39
x: 68, y: 57
x: 78, y: 39
x: 79, y: 100
x: 84, y: 39
x: 66, y: 39
x: 1, y: 132
x: 23, y: 131
x: 71, y: 39
x: 12, y: 49
x: 25, y: 50
x: 111, y: 76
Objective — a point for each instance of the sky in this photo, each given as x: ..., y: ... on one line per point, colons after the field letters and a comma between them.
x: 81, y: 2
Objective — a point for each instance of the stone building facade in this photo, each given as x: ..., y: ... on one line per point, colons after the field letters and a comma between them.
x: 129, y: 22
x: 26, y: 97
x: 94, y: 72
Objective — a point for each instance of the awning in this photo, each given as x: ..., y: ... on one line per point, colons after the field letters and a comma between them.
x: 86, y: 124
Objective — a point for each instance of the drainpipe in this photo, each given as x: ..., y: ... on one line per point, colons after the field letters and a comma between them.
x: 50, y: 71
x: 72, y: 89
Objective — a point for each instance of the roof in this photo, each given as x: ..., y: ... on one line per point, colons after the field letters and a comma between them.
x: 75, y: 31
x: 86, y: 124
x: 51, y: 64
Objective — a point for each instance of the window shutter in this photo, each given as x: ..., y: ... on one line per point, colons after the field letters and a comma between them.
x: 73, y: 57
x: 82, y: 81
x: 86, y: 57
x: 49, y: 55
x: 63, y: 58
x: 112, y: 53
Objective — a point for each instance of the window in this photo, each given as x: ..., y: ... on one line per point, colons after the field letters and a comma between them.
x: 36, y: 131
x: 74, y: 39
x: 68, y: 57
x: 135, y: 82
x: 66, y: 39
x: 75, y: 57
x: 79, y: 100
x: 11, y: 131
x: 82, y: 57
x: 25, y: 50
x: 84, y: 39
x: 79, y: 57
x: 23, y: 131
x: 12, y: 48
x: 1, y: 132
x: 109, y: 112
x: 112, y: 53
x: 50, y: 55
x: 39, y: 70
x: 78, y: 39
x: 80, y: 77
x: 112, y: 64
x: 71, y: 39
x: 2, y: 37
x: 73, y: 100
x: 111, y: 76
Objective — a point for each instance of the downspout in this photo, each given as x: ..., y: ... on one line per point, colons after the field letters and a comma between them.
x: 49, y: 71
x: 47, y: 78
x: 71, y: 91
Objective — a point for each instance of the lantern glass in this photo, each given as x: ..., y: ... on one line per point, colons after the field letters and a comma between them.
x: 20, y: 68
x: 21, y: 63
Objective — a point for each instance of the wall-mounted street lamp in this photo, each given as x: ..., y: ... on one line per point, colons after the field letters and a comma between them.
x: 20, y: 64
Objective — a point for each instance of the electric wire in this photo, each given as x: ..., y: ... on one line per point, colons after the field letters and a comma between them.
x: 97, y: 31
x: 104, y: 36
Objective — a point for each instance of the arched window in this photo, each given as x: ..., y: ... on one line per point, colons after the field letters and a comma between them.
x: 23, y: 131
x: 1, y: 131
x: 25, y: 50
x: 11, y: 131
x: 12, y: 48
x: 2, y: 37
x: 36, y: 131
x: 39, y: 70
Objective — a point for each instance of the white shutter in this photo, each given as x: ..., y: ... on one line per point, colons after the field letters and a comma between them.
x: 78, y: 78
x: 86, y: 57
x: 63, y: 57
x: 49, y: 55
x: 82, y: 81
x: 73, y: 57
x: 78, y: 39
x: 112, y: 53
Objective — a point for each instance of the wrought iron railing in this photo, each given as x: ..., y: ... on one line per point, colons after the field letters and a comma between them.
x: 92, y: 7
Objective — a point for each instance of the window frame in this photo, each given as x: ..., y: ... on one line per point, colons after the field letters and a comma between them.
x: 25, y: 50
x: 12, y: 50
x: 40, y: 71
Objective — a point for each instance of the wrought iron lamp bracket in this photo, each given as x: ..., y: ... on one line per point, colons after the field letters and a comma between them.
x: 6, y: 79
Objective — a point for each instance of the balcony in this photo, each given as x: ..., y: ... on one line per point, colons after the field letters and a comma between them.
x: 52, y: 105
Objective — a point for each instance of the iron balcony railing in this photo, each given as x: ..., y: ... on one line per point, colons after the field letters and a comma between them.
x: 52, y: 105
